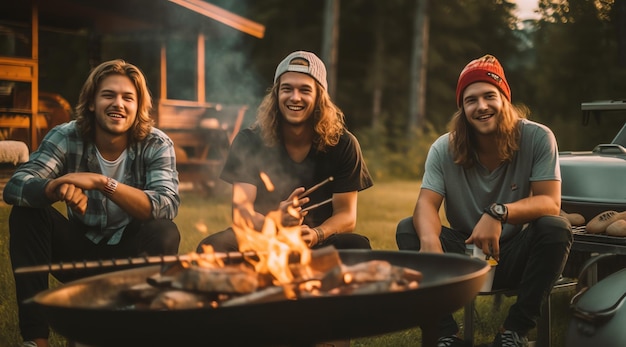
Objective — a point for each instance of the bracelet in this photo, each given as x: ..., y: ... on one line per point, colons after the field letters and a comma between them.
x: 320, y: 235
x: 110, y: 187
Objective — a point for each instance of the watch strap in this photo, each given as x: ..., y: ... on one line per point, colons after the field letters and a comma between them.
x: 490, y: 210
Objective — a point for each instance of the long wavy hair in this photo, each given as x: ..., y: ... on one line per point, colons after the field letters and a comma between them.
x: 328, y: 119
x: 86, y: 119
x: 463, y: 138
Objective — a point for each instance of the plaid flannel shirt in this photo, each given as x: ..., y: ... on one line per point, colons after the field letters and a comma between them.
x: 150, y: 166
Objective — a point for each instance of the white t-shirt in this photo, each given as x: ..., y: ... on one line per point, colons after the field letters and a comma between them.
x: 467, y: 192
x: 117, y: 219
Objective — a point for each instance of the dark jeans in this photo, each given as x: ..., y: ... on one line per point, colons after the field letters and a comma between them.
x: 40, y: 236
x: 530, y: 262
x: 226, y: 241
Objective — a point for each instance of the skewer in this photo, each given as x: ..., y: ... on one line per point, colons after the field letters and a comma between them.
x: 316, y: 205
x: 315, y: 187
x: 151, y: 260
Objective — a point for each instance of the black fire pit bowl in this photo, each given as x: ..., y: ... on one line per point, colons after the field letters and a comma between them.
x: 450, y: 281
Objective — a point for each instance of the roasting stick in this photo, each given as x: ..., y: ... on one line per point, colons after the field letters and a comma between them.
x: 315, y: 187
x: 317, y: 205
x: 152, y: 260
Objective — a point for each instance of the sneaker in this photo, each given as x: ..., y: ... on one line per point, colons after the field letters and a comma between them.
x: 29, y: 344
x: 510, y: 338
x: 450, y: 341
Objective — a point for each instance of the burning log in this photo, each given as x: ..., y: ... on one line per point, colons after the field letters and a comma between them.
x: 374, y: 276
x: 378, y: 270
x: 373, y: 288
x: 140, y: 293
x: 268, y: 294
x: 322, y: 260
x: 187, y: 286
x: 178, y: 300
x: 237, y: 279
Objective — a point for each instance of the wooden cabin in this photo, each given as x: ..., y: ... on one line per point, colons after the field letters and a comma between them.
x: 201, y: 128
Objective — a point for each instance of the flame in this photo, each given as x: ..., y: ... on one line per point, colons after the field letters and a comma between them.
x: 266, y: 180
x: 201, y: 227
x: 208, y: 259
x: 292, y: 209
x: 272, y: 245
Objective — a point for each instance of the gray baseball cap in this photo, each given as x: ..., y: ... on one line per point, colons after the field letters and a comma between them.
x: 316, y: 68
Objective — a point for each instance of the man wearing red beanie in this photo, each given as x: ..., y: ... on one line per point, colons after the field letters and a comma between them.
x: 499, y: 175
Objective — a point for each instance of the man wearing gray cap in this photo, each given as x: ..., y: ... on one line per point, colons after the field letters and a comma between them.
x: 299, y: 141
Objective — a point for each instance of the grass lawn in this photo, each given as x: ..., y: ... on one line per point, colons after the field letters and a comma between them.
x: 380, y: 208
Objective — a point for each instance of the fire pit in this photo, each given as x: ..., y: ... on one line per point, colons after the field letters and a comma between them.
x: 449, y: 282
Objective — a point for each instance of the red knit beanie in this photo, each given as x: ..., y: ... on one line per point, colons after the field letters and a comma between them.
x: 484, y: 69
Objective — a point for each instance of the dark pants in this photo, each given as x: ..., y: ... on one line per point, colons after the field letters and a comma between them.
x: 226, y: 241
x: 40, y: 236
x: 530, y: 262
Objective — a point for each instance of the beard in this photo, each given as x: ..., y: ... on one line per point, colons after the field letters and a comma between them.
x: 105, y: 127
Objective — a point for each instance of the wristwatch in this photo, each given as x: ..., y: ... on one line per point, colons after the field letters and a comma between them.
x: 497, y: 211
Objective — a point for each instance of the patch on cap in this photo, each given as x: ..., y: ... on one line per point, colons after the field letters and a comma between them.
x: 484, y: 69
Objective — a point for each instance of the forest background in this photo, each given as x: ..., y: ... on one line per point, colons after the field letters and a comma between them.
x: 573, y: 52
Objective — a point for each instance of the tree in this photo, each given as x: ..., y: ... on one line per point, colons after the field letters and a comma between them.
x: 567, y: 75
x: 330, y: 43
x: 419, y: 61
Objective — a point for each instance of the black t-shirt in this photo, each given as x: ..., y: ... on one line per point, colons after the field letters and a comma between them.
x: 249, y: 156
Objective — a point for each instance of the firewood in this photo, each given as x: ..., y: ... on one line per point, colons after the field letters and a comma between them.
x: 384, y: 287
x: 324, y: 259
x: 370, y: 271
x: 377, y: 287
x: 269, y: 294
x: 177, y: 300
x: 371, y: 288
x: 229, y: 279
x: 379, y: 270
x: 143, y: 292
x: 166, y: 276
x: 410, y: 275
x: 332, y: 279
x: 160, y: 281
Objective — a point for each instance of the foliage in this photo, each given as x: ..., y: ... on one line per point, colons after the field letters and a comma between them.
x: 566, y: 74
x: 396, y: 156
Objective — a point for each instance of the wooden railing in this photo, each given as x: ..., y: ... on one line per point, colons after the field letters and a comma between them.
x: 202, y: 134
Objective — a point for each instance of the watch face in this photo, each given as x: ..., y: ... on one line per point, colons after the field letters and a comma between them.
x: 499, y: 209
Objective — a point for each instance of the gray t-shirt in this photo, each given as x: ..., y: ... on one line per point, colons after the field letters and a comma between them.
x: 467, y: 192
